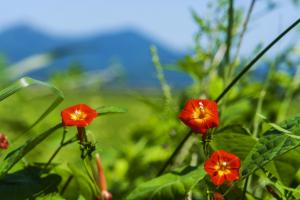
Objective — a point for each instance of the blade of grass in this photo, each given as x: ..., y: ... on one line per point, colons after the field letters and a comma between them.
x: 26, y: 82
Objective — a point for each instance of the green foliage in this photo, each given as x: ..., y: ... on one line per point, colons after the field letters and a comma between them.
x: 85, y: 186
x: 28, y: 183
x: 15, y: 155
x: 175, y: 185
x: 229, y: 139
x: 271, y: 145
x: 110, y: 110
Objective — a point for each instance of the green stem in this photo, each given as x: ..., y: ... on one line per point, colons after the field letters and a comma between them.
x: 160, y: 76
x: 245, y: 188
x: 62, y: 144
x: 208, y: 193
x: 229, y: 31
x: 239, y: 44
x: 70, y: 178
x: 252, y: 62
x: 58, y: 149
x: 261, y: 98
x: 169, y: 161
x: 245, y: 25
x: 206, y: 140
x: 227, y: 89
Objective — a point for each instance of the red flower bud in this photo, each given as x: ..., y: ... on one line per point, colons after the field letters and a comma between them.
x: 218, y: 196
x: 102, y: 181
x: 106, y: 195
x: 3, y: 141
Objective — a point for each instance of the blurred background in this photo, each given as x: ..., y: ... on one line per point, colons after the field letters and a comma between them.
x: 109, y: 41
x: 98, y: 53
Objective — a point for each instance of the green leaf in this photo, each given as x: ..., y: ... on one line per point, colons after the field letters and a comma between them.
x: 85, y: 185
x: 271, y: 145
x: 28, y: 82
x: 109, y: 110
x: 275, y: 126
x: 215, y: 86
x: 297, y: 192
x: 175, y: 185
x: 285, y: 167
x: 28, y: 183
x: 14, y: 156
x: 68, y: 187
x: 229, y: 139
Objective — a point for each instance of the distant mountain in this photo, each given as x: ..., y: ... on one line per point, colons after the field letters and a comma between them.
x: 129, y: 47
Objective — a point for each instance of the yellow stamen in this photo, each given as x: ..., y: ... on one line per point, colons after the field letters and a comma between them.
x: 222, y: 168
x: 78, y: 115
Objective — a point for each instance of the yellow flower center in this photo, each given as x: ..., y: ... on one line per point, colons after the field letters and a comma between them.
x: 201, y: 112
x: 78, y: 115
x: 222, y: 168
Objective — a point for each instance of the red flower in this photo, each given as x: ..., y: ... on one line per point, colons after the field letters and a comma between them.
x: 79, y: 115
x: 222, y: 166
x: 3, y: 141
x: 218, y: 196
x: 200, y: 115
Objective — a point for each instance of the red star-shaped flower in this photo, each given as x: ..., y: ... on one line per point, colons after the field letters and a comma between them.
x: 79, y: 115
x: 222, y: 166
x: 200, y: 115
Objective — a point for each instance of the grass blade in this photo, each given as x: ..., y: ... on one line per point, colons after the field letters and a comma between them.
x: 28, y: 82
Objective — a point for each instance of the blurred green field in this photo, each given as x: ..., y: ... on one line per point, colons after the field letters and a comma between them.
x: 110, y: 131
x: 113, y: 134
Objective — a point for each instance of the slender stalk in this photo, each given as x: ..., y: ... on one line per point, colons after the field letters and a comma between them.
x: 261, y: 98
x: 169, y: 161
x: 81, y: 134
x: 252, y: 62
x: 160, y: 76
x: 66, y: 184
x: 58, y: 149
x: 245, y: 188
x: 245, y: 26
x: 240, y: 40
x: 229, y: 31
x: 208, y: 193
x: 227, y: 89
x: 62, y: 144
x: 206, y: 140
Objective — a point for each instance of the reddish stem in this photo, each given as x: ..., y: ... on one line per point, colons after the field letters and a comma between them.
x: 81, y: 134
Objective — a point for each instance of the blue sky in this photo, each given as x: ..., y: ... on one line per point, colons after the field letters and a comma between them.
x: 168, y: 20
